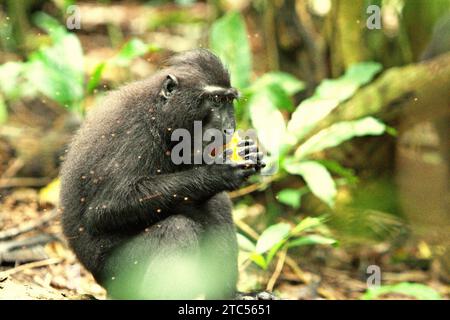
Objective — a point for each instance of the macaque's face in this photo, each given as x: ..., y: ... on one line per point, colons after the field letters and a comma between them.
x: 192, y: 99
x: 218, y: 103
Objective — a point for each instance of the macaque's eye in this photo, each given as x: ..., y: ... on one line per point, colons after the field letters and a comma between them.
x: 216, y: 99
x: 221, y: 99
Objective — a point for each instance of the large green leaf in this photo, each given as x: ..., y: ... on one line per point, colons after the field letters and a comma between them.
x: 317, y: 178
x: 328, y: 95
x: 344, y: 87
x: 310, y: 240
x: 363, y: 72
x: 271, y: 236
x: 277, y: 96
x: 52, y: 26
x: 337, y: 168
x: 338, y: 89
x: 307, y: 224
x: 286, y: 81
x: 338, y: 133
x: 9, y: 78
x: 290, y: 197
x: 244, y: 243
x: 268, y: 122
x: 57, y: 70
x: 13, y: 84
x: 96, y: 77
x: 416, y: 290
x: 308, y: 114
x: 228, y: 39
x: 258, y: 259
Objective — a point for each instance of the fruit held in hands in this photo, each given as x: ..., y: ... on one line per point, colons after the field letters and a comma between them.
x: 233, y: 145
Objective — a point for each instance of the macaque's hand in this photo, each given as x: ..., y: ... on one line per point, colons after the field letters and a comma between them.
x: 233, y: 171
x: 248, y: 150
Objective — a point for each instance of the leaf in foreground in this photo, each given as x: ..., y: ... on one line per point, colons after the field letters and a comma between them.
x: 317, y: 178
x: 271, y: 236
x: 338, y: 133
x: 230, y: 42
x: 416, y: 290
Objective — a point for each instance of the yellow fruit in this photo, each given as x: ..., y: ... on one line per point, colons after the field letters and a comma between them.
x: 233, y: 145
x: 50, y: 193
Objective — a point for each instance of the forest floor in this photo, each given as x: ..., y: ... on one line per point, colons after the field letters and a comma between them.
x: 47, y: 268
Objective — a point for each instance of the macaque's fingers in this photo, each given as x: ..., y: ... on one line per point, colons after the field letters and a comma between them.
x: 261, y: 164
x: 255, y: 157
x: 246, y: 142
x: 243, y: 151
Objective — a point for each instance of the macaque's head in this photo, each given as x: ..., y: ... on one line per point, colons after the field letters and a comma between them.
x: 196, y: 87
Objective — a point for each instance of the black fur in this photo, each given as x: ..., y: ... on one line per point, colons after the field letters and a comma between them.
x: 126, y: 206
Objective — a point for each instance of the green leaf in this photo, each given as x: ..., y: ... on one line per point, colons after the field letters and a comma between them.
x: 9, y: 78
x: 317, y: 178
x: 335, y: 167
x: 57, y: 70
x: 328, y: 95
x: 306, y: 224
x: 338, y: 133
x: 308, y: 114
x: 363, y: 72
x: 416, y: 290
x: 278, y: 97
x: 273, y: 251
x: 271, y: 236
x: 3, y: 110
x: 228, y: 39
x: 290, y: 197
x: 337, y: 89
x: 268, y: 122
x: 344, y: 87
x: 96, y: 77
x: 51, y: 25
x: 285, y: 81
x: 245, y: 244
x: 13, y: 83
x: 312, y: 239
x: 259, y: 260
x: 131, y: 50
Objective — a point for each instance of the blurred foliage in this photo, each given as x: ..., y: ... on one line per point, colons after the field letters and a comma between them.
x: 229, y: 40
x: 57, y: 70
x: 132, y: 49
x: 415, y: 290
x: 309, y: 231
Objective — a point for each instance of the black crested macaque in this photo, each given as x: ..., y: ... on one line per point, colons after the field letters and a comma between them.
x: 145, y: 227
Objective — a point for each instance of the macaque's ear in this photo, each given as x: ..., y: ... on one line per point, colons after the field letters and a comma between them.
x: 169, y: 85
